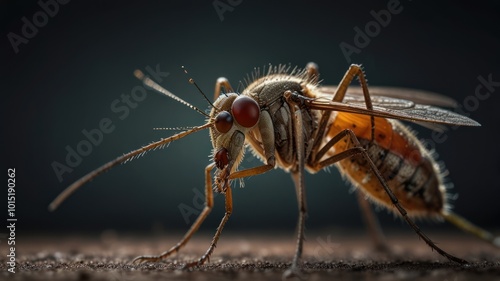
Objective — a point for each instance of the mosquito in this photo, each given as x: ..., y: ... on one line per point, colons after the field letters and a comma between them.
x: 290, y: 121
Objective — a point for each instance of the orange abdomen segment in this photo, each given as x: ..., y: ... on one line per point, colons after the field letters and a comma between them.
x: 385, y: 136
x: 407, y: 167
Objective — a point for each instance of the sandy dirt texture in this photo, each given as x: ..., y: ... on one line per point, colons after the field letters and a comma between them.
x: 240, y: 256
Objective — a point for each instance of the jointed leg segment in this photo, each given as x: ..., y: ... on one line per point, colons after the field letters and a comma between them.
x: 316, y: 158
x: 222, y: 82
x: 215, y: 239
x: 358, y: 149
x: 209, y: 203
x: 372, y: 224
x: 353, y: 71
x: 298, y: 179
x: 208, y: 207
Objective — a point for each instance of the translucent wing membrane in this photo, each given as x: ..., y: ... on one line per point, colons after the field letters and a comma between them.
x: 396, y: 109
x: 394, y: 98
x: 417, y: 96
x: 386, y: 102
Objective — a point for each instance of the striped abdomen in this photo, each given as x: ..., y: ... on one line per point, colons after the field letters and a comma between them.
x: 408, y: 168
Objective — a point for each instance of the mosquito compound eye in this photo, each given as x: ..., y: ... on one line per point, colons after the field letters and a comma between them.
x: 246, y: 111
x: 223, y: 122
x: 221, y: 158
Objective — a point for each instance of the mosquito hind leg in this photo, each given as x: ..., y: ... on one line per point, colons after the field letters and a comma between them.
x: 357, y: 149
x: 469, y: 227
x: 372, y: 223
x: 209, y: 203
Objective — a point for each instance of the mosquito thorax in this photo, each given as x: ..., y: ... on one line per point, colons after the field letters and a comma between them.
x: 275, y: 86
x: 270, y: 88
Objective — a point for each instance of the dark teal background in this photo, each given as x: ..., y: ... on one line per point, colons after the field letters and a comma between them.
x: 66, y: 77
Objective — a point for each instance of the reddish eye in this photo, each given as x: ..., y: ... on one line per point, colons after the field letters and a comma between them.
x: 223, y: 122
x: 221, y: 158
x: 246, y: 111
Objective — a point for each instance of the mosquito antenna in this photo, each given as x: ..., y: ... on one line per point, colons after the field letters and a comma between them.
x: 122, y: 159
x: 173, y: 128
x: 191, y: 80
x: 155, y: 86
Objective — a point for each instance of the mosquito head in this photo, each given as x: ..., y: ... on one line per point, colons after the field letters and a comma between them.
x: 233, y: 116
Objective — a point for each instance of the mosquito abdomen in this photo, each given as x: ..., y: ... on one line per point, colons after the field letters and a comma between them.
x: 409, y: 169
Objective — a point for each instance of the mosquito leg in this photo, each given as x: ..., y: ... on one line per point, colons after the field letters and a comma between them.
x: 222, y: 82
x: 353, y: 71
x: 372, y: 223
x: 298, y: 179
x: 266, y: 129
x: 312, y: 71
x: 371, y: 220
x: 229, y: 210
x: 467, y: 226
x: 359, y: 150
x: 251, y: 172
x: 209, y: 203
x: 294, y: 269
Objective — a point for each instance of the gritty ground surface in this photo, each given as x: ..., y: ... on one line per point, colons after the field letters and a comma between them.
x: 327, y: 256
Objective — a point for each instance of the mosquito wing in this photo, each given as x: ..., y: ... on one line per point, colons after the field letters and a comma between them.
x: 393, y: 108
x: 417, y: 96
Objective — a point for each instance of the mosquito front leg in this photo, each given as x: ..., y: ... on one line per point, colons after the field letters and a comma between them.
x: 227, y: 214
x: 312, y: 72
x: 266, y: 129
x: 359, y: 150
x: 209, y: 203
x: 222, y: 82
